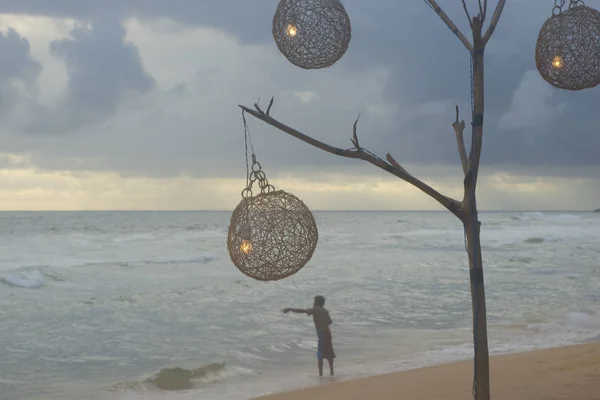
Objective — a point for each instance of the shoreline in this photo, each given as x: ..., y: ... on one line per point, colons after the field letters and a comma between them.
x: 565, y: 372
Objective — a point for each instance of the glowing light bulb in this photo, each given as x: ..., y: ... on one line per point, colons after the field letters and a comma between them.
x: 557, y: 62
x: 246, y: 246
x: 291, y: 30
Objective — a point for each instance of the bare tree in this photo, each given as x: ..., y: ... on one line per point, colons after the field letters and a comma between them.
x: 465, y: 210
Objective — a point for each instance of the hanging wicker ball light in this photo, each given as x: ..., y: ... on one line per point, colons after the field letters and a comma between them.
x: 273, y: 234
x: 567, y: 52
x: 312, y: 34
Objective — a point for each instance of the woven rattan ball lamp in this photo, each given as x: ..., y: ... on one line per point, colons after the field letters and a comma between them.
x: 312, y: 34
x: 567, y: 53
x: 273, y: 234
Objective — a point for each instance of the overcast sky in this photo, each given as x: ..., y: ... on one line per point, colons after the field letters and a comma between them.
x: 131, y: 104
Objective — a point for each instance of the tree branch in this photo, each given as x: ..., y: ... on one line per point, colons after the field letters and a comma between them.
x: 459, y: 128
x: 359, y: 153
x: 494, y: 21
x: 449, y: 23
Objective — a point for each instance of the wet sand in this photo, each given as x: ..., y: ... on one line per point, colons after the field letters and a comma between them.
x: 571, y: 372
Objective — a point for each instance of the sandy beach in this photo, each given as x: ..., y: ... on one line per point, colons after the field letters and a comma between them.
x: 571, y: 372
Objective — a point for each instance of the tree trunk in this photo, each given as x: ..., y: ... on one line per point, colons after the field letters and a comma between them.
x: 472, y: 225
x: 480, y: 342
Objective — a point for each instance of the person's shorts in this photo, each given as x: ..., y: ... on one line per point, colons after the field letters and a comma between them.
x: 325, y: 345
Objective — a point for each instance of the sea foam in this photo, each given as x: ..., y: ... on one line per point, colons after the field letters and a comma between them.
x: 28, y: 279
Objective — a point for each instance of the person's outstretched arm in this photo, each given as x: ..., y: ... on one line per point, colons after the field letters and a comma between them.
x: 297, y: 310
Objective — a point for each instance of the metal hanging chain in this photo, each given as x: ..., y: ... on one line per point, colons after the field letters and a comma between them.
x: 559, y: 4
x: 254, y: 173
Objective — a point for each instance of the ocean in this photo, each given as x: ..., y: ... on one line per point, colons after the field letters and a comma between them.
x: 147, y: 305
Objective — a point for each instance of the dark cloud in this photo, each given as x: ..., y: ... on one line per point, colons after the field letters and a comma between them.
x: 527, y: 123
x: 430, y: 65
x: 102, y: 68
x: 16, y: 65
x: 249, y: 20
x: 16, y: 60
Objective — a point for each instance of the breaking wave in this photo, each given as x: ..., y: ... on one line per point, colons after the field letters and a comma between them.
x: 28, y: 279
x: 534, y: 240
x: 201, y: 259
x: 178, y: 379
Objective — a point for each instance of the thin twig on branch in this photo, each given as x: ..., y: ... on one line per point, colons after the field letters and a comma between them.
x: 438, y: 10
x: 494, y: 21
x: 359, y: 153
x: 467, y: 12
x: 482, y: 9
x: 355, y: 135
x: 459, y: 128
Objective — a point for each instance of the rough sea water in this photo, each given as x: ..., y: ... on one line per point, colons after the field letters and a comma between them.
x: 147, y: 305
